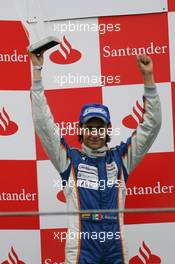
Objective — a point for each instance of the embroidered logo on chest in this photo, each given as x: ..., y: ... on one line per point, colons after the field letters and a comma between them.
x: 87, y: 176
x: 112, y: 174
x: 112, y: 170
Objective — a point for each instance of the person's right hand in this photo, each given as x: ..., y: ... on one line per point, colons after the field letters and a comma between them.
x: 38, y: 59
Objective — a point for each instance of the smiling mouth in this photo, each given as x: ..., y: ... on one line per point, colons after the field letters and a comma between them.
x: 94, y: 142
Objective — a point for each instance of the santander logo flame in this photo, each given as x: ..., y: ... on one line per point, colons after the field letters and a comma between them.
x: 13, y: 258
x: 7, y: 127
x: 132, y: 120
x: 65, y: 54
x: 145, y: 256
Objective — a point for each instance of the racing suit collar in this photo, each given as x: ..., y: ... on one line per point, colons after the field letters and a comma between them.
x: 94, y: 152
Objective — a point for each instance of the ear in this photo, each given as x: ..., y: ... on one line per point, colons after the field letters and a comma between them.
x: 79, y: 126
x: 79, y: 134
x: 109, y: 126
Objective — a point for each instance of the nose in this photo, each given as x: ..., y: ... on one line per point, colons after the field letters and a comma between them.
x: 94, y: 133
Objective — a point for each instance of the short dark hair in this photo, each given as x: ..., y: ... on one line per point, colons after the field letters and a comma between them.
x: 80, y: 137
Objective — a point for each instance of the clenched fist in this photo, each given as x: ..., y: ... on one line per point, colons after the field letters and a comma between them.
x: 145, y: 66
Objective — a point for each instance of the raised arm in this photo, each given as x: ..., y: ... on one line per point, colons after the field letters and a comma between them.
x: 138, y: 144
x: 46, y: 129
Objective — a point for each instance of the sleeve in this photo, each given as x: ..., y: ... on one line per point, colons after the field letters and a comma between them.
x: 133, y: 151
x: 49, y: 133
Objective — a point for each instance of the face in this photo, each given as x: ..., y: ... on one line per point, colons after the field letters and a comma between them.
x: 94, y: 133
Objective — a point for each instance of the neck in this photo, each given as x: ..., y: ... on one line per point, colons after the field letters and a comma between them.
x: 94, y: 153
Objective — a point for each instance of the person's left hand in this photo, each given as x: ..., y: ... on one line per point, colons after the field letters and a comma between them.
x: 145, y: 64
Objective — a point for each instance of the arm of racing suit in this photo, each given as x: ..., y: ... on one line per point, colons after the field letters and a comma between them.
x: 47, y: 130
x: 133, y: 151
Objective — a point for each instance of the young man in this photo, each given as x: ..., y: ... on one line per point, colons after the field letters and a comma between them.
x: 97, y: 236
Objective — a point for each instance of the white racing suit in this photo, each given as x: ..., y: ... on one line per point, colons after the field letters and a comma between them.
x: 99, y: 236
